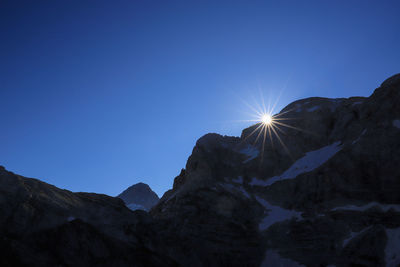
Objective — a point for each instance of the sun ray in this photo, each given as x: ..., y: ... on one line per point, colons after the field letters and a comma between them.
x: 253, y: 132
x: 263, y: 144
x: 284, y: 119
x: 252, y: 108
x: 244, y: 121
x: 270, y: 136
x: 263, y: 102
x: 259, y: 133
x: 283, y: 113
x: 276, y: 101
x: 295, y: 128
x: 270, y: 129
x: 282, y: 143
x: 280, y: 130
x: 259, y: 106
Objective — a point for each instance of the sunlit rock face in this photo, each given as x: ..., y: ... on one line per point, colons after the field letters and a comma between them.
x: 139, y: 196
x: 331, y: 198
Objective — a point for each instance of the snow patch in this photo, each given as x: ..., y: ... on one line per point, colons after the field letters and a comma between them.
x: 309, y: 162
x: 346, y: 241
x: 392, y: 250
x: 396, y: 123
x: 133, y: 206
x: 238, y: 180
x: 313, y: 109
x: 250, y: 151
x: 275, y: 214
x: 244, y: 192
x: 353, y: 235
x: 259, y: 182
x: 70, y: 218
x: 358, y: 139
x: 384, y: 207
x: 272, y: 258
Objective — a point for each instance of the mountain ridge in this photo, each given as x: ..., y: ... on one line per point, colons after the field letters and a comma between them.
x: 368, y: 149
x: 331, y: 198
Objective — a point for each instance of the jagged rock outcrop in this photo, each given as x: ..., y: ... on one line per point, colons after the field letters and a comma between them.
x: 42, y: 225
x: 139, y: 196
x: 329, y: 197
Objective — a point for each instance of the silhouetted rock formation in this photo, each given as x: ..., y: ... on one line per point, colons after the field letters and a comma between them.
x: 42, y: 225
x: 139, y: 196
x: 332, y: 199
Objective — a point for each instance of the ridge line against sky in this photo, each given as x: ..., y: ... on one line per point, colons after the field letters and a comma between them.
x: 99, y: 96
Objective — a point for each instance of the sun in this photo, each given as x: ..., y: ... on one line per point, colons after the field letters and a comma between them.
x: 266, y: 119
x: 269, y: 126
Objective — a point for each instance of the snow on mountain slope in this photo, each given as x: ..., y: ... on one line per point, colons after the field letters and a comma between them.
x: 134, y: 206
x: 251, y: 152
x: 309, y: 162
x: 139, y: 196
x: 275, y: 214
x: 327, y: 203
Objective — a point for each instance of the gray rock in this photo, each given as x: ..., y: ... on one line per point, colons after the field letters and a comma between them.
x: 139, y: 196
x: 331, y: 197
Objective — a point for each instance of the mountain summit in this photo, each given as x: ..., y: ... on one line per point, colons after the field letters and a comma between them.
x: 139, y: 196
x: 330, y: 196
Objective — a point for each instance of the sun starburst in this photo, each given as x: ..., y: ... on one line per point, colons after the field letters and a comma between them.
x: 269, y: 125
x: 266, y: 119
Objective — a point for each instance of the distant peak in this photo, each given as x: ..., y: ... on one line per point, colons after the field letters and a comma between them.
x: 139, y: 185
x: 139, y: 194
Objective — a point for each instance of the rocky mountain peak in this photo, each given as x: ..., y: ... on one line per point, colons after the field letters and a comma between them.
x: 329, y: 196
x: 336, y: 171
x: 139, y: 196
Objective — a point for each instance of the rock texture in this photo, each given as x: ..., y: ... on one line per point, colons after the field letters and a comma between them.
x: 139, y: 196
x: 330, y: 198
x: 42, y: 225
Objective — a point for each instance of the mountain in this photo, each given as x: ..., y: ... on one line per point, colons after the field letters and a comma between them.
x: 139, y: 196
x: 42, y: 225
x: 330, y: 196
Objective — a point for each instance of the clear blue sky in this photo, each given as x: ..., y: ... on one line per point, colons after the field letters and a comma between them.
x: 98, y: 95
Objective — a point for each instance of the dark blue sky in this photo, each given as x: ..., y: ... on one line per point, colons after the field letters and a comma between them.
x: 98, y: 95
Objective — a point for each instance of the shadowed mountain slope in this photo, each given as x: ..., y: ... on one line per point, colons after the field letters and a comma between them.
x: 330, y: 198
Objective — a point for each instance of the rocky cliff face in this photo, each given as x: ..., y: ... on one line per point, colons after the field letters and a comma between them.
x: 42, y: 225
x: 139, y: 196
x: 331, y: 198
